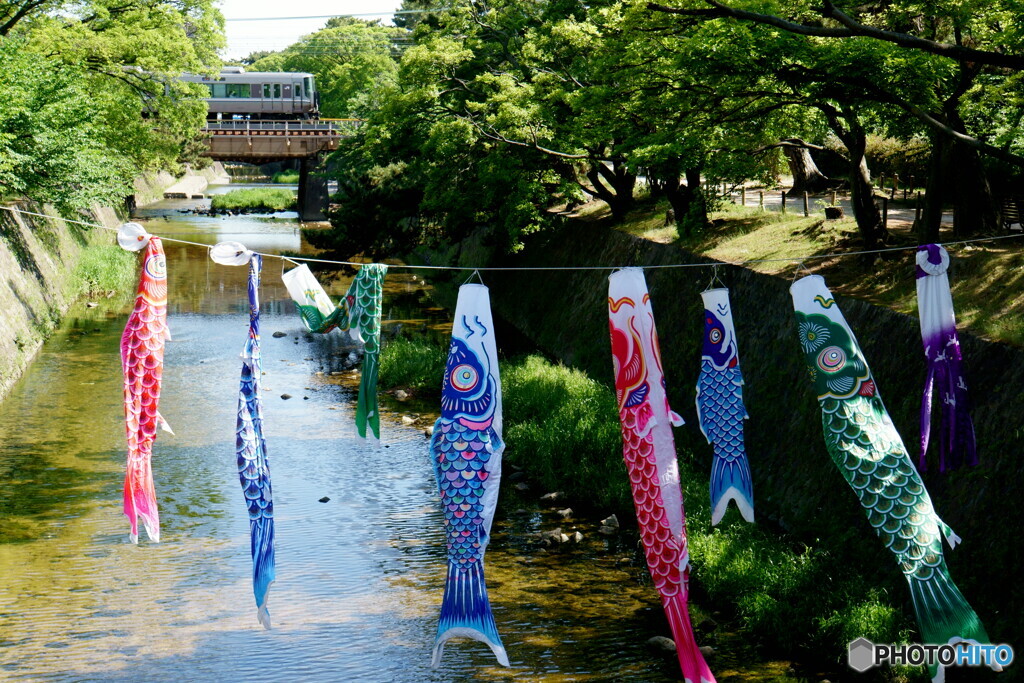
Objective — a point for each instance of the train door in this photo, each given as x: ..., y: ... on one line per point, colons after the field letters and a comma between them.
x: 287, y: 103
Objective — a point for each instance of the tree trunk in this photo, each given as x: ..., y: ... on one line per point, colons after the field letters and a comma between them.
x: 687, y: 201
x: 847, y: 127
x: 974, y: 208
x: 612, y: 185
x: 957, y: 172
x: 931, y: 214
x: 806, y: 176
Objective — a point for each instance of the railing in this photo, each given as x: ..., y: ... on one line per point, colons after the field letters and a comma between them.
x: 321, y: 126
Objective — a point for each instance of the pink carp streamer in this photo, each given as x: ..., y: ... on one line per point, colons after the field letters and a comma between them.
x: 142, y: 360
x: 650, y: 454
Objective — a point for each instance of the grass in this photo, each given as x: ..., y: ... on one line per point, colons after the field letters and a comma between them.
x: 562, y: 429
x: 255, y: 199
x: 103, y: 269
x: 288, y: 177
x: 414, y: 365
x: 985, y: 278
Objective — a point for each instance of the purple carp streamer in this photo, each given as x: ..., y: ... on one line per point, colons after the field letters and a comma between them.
x: 720, y: 408
x: 649, y: 450
x: 142, y: 361
x: 868, y: 451
x: 945, y: 374
x: 466, y: 450
x: 251, y: 449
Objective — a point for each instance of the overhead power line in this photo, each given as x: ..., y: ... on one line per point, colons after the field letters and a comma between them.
x: 332, y: 16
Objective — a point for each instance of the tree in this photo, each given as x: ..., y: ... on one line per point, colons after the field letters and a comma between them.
x: 351, y: 59
x: 49, y: 148
x: 967, y: 48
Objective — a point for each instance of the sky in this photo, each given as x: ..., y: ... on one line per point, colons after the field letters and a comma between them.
x: 245, y: 37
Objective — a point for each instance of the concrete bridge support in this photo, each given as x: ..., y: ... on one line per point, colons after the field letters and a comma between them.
x: 312, y: 199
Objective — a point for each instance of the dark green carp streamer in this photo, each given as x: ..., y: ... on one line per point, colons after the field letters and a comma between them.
x: 870, y: 454
x: 359, y: 313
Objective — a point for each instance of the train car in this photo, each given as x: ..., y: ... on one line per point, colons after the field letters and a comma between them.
x: 259, y: 94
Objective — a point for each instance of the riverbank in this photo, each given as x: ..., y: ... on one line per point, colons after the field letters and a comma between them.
x: 47, y: 265
x: 798, y: 491
x: 565, y: 449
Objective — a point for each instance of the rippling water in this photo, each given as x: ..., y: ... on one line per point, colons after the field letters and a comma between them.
x: 359, y: 578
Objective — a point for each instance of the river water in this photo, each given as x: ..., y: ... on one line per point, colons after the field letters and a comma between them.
x: 359, y: 577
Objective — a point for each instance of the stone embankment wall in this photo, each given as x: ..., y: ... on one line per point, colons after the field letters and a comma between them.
x: 796, y: 485
x: 37, y: 264
x: 37, y: 283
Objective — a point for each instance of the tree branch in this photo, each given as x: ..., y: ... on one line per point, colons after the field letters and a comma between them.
x: 851, y: 28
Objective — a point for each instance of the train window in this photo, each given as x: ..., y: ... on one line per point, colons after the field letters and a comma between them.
x: 217, y: 89
x: 298, y: 90
x: 309, y: 86
x: 238, y: 89
x: 266, y: 90
x: 277, y: 91
x: 287, y: 91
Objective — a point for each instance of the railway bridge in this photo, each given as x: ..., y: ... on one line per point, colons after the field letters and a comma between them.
x: 261, y: 142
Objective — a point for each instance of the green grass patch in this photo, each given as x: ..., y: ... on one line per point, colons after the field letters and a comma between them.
x: 104, y: 269
x: 985, y: 278
x: 412, y: 364
x: 562, y: 429
x: 289, y: 177
x: 255, y: 199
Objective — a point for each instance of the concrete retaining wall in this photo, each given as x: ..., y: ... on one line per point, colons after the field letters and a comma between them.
x: 795, y: 483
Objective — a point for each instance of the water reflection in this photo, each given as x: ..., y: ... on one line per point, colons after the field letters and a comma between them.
x: 359, y: 577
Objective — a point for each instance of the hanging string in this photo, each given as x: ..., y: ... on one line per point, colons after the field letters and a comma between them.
x: 785, y: 259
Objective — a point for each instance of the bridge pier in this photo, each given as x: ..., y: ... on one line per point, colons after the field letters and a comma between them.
x: 312, y: 199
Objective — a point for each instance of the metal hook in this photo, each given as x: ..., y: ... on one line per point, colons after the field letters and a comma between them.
x: 800, y: 267
x: 715, y: 278
x: 475, y: 272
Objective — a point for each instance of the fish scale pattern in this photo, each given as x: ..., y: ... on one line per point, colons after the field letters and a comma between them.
x: 721, y: 412
x: 890, y: 489
x: 662, y: 550
x: 251, y: 453
x: 142, y: 361
x: 461, y: 457
x: 869, y: 453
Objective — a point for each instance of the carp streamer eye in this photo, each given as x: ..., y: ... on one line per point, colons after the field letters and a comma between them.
x: 831, y: 359
x: 156, y: 266
x: 715, y: 335
x: 465, y: 377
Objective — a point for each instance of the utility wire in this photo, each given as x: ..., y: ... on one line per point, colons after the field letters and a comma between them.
x: 332, y: 16
x: 784, y: 259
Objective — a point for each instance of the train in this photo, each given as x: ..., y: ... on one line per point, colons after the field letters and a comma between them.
x: 274, y: 95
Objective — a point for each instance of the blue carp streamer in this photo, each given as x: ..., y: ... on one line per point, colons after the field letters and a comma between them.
x: 253, y: 469
x: 466, y: 449
x: 720, y: 409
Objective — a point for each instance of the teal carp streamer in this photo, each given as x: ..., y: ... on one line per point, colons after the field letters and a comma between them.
x: 358, y: 312
x: 869, y: 453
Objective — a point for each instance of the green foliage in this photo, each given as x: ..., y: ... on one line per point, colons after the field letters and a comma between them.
x: 255, y: 199
x: 104, y: 268
x: 352, y: 60
x: 89, y: 96
x: 288, y: 177
x: 563, y: 428
x: 415, y: 365
x: 49, y: 127
x: 905, y: 158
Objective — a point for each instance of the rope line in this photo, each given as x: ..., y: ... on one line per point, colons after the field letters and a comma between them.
x: 783, y: 259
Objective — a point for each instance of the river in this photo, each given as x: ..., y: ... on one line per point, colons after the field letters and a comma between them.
x: 359, y: 577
